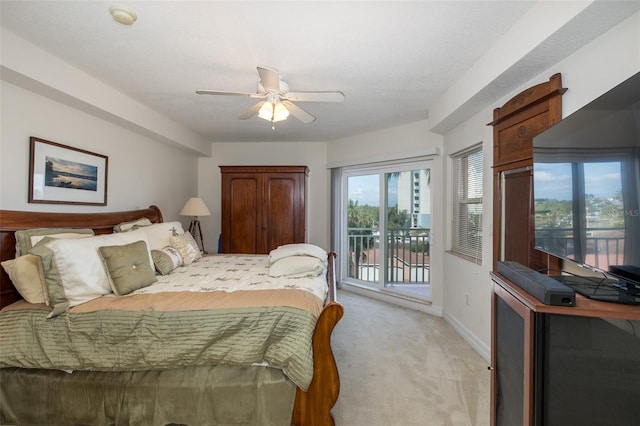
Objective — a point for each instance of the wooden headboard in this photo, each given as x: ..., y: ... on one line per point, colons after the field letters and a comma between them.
x: 12, y: 220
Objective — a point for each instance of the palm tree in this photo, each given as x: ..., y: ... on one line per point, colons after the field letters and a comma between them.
x: 360, y: 223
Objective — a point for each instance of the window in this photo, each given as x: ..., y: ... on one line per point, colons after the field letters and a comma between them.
x: 386, y: 228
x: 467, y: 203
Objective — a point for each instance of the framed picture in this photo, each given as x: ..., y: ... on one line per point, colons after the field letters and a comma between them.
x: 60, y: 174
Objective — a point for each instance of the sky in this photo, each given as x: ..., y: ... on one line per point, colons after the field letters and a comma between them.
x: 366, y: 190
x: 553, y: 180
x: 73, y: 167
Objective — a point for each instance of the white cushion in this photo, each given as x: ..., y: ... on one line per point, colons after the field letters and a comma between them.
x: 159, y: 234
x: 35, y: 239
x: 300, y: 249
x: 187, y: 247
x: 297, y: 266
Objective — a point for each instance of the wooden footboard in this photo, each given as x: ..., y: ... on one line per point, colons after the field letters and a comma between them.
x: 314, y: 406
x: 311, y: 408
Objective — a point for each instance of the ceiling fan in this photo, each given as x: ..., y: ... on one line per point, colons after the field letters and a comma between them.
x: 278, y: 101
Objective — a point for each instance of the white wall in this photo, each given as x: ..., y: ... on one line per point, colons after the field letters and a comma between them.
x: 467, y: 289
x: 310, y: 154
x: 591, y: 71
x: 142, y: 171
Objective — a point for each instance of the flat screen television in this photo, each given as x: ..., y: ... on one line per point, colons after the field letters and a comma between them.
x: 586, y: 173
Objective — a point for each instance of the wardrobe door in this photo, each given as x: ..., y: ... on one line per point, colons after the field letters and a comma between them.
x: 284, y: 210
x: 241, y: 213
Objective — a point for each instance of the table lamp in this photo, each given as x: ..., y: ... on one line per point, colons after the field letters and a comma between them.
x: 195, y: 207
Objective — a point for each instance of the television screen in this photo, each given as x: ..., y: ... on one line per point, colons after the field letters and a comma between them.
x: 586, y: 175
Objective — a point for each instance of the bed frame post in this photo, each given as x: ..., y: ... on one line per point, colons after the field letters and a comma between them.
x: 313, y: 408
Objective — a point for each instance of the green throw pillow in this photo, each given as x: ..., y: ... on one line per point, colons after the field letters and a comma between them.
x: 56, y: 296
x: 131, y: 225
x: 166, y: 259
x: 128, y: 267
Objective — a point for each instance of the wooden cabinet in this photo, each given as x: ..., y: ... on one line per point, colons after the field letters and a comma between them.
x: 262, y: 207
x: 557, y: 365
x: 515, y: 124
x: 551, y: 365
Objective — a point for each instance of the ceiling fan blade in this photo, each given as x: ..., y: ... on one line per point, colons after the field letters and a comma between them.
x: 270, y: 79
x: 251, y: 111
x: 314, y: 96
x: 299, y: 113
x: 224, y: 93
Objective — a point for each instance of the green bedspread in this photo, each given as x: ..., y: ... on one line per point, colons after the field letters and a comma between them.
x: 203, y: 395
x: 136, y: 340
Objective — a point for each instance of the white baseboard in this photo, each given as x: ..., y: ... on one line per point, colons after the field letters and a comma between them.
x: 469, y: 337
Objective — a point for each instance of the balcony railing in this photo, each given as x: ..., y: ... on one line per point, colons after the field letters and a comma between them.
x: 406, y: 257
x: 604, y: 246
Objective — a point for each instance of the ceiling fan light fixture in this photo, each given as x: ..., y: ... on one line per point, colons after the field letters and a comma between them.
x: 280, y: 112
x: 266, y: 111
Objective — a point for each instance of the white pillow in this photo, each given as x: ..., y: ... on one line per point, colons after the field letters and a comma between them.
x: 297, y: 266
x: 159, y: 234
x: 300, y: 249
x: 35, y: 239
x: 28, y: 238
x: 80, y: 267
x: 187, y: 247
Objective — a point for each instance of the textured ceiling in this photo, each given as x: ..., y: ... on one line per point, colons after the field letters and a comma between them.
x: 392, y: 60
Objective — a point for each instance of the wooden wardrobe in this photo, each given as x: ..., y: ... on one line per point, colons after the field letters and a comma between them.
x: 262, y: 207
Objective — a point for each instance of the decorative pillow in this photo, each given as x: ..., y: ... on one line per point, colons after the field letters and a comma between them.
x: 300, y: 249
x: 73, y: 269
x: 128, y: 267
x: 131, y: 225
x: 159, y: 234
x: 55, y: 291
x: 27, y: 238
x: 297, y: 266
x: 166, y: 259
x: 26, y: 275
x: 187, y: 247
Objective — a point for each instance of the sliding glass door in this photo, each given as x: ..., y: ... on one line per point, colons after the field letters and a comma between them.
x: 387, y: 226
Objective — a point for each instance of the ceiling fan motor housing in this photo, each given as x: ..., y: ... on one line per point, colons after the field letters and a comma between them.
x: 284, y: 87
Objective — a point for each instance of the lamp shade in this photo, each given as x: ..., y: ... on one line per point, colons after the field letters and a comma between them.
x: 195, y: 207
x: 280, y: 112
x: 266, y: 111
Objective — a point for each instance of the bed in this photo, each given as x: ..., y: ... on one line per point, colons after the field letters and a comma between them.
x: 232, y: 384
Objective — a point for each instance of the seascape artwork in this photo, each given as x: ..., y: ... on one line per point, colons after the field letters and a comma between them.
x: 70, y: 174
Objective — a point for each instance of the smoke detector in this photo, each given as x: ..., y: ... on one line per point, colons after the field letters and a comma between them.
x: 123, y: 14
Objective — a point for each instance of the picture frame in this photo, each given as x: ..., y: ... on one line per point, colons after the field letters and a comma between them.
x: 60, y: 174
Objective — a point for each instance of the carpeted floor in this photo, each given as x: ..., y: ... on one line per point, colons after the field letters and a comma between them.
x: 403, y: 367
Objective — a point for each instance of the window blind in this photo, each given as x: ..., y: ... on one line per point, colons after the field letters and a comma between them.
x: 467, y: 203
